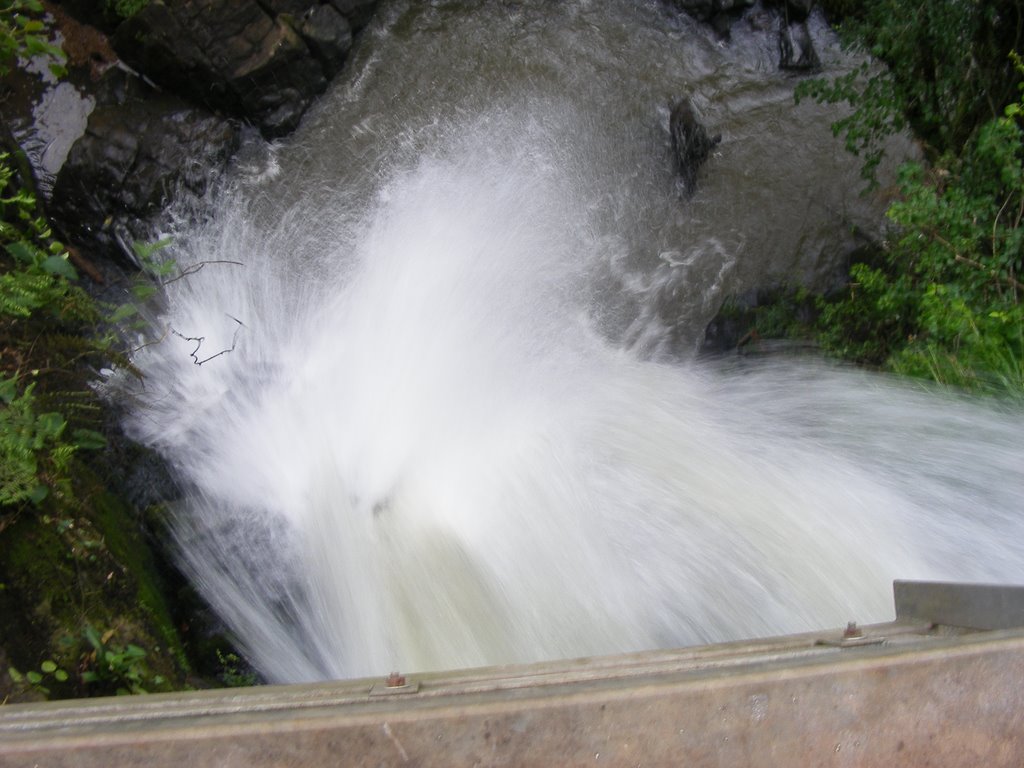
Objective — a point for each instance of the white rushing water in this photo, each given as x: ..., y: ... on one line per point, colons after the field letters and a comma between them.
x: 451, y: 426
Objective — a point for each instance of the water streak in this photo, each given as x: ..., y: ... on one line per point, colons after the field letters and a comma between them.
x: 450, y: 431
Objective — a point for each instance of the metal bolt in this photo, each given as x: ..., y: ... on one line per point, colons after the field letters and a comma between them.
x: 395, y: 680
x: 852, y: 630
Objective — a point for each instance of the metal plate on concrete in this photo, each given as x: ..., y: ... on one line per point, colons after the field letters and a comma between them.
x: 977, y: 606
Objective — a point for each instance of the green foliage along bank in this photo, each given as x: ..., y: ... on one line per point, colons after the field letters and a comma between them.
x: 74, y: 564
x: 83, y: 598
x: 24, y: 34
x: 947, y: 70
x: 941, y: 296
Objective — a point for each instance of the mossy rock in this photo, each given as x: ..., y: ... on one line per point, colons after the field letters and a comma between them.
x: 67, y: 576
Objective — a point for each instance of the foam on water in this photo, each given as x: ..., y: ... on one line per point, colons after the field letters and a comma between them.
x: 423, y: 449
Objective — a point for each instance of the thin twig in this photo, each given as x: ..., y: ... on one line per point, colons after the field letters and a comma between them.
x: 995, y: 221
x: 151, y: 343
x: 1011, y: 281
x: 193, y: 268
x: 200, y: 339
x: 994, y: 274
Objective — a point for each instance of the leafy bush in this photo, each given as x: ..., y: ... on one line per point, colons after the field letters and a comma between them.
x: 942, y: 297
x: 33, y: 455
x: 72, y: 553
x: 944, y: 301
x: 47, y: 673
x: 947, y: 72
x: 118, y: 669
x: 95, y: 664
x: 43, y: 322
x: 124, y: 9
x: 24, y: 35
x: 40, y: 273
x: 960, y: 242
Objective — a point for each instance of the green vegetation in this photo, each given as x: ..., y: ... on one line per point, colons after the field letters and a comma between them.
x: 947, y: 71
x: 234, y: 673
x: 23, y: 34
x: 113, y: 668
x: 125, y: 9
x: 941, y: 298
x: 85, y: 605
x: 73, y: 557
x: 102, y: 667
x: 944, y: 301
x: 43, y: 318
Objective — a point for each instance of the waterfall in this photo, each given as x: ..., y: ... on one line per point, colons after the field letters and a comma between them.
x: 432, y: 397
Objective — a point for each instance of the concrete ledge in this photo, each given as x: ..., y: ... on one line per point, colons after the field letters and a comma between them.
x: 917, y: 697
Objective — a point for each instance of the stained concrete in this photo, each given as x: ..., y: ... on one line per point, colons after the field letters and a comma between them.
x: 905, y: 694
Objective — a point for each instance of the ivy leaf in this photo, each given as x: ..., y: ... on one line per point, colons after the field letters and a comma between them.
x: 8, y: 389
x: 24, y: 252
x: 123, y: 312
x: 38, y: 493
x: 59, y: 265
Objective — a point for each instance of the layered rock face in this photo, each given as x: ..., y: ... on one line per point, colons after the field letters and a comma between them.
x: 197, y: 72
x: 131, y: 159
x: 796, y: 51
x: 265, y: 64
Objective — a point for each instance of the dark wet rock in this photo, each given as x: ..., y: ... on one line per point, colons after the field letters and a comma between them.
x: 229, y: 55
x: 291, y: 7
x: 793, y: 10
x: 131, y: 160
x: 264, y: 61
x: 705, y: 10
x: 119, y: 86
x: 691, y: 144
x: 719, y: 14
x: 327, y: 35
x: 799, y: 10
x: 796, y: 49
x: 357, y: 12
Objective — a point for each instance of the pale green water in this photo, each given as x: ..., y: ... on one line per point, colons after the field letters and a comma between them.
x: 460, y: 424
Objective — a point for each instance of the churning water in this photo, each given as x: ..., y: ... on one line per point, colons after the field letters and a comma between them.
x: 432, y: 398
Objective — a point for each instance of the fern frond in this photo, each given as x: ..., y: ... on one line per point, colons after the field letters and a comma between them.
x: 22, y: 292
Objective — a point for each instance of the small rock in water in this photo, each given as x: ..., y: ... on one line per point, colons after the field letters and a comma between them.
x: 690, y: 142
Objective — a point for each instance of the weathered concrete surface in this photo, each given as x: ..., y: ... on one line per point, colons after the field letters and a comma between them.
x: 935, y: 700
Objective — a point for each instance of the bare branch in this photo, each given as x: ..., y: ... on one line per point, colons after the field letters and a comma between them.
x: 151, y: 343
x: 191, y: 269
x: 994, y: 274
x: 194, y: 354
